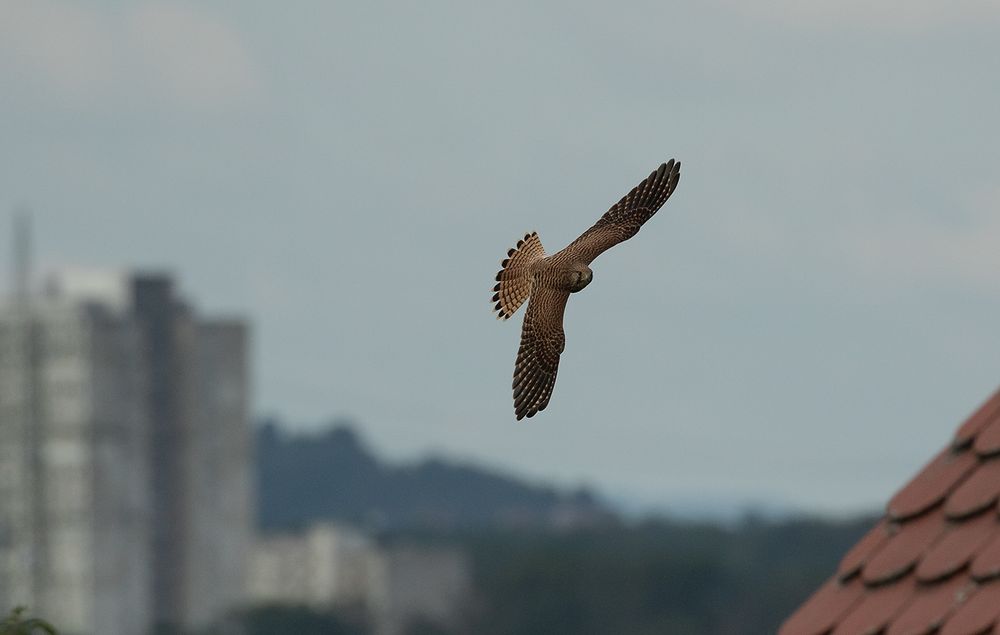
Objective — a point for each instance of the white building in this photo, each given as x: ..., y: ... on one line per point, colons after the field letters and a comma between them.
x: 125, y: 457
x: 332, y: 566
x: 74, y: 486
x: 324, y: 567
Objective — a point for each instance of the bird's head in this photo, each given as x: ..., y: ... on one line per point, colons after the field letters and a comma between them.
x: 579, y: 277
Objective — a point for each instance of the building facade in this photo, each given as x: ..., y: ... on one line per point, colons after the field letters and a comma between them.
x: 332, y: 566
x: 324, y: 567
x: 74, y: 499
x: 125, y: 457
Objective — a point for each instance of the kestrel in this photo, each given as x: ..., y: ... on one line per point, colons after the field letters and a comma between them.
x: 548, y: 280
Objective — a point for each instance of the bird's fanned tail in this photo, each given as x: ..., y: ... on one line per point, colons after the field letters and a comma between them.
x: 514, y: 278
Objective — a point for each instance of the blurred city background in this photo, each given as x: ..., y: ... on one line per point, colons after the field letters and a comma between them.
x: 249, y: 381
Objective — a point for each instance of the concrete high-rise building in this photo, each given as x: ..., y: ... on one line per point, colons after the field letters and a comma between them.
x: 125, y: 456
x: 74, y: 495
x: 218, y: 475
x: 200, y: 455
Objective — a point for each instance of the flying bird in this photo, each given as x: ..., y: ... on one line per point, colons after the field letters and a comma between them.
x: 546, y: 281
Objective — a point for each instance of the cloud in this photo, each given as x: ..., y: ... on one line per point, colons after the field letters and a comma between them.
x: 193, y: 57
x: 166, y: 53
x: 61, y: 47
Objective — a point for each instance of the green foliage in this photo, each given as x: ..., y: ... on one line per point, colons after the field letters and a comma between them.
x: 425, y: 627
x: 295, y: 620
x: 17, y: 624
x: 659, y: 577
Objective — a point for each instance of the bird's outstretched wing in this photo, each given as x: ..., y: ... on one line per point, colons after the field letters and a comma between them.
x: 625, y: 217
x: 542, y: 341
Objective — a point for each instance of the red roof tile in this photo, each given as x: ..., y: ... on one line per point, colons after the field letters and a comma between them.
x: 957, y: 547
x: 988, y: 440
x: 932, y: 484
x: 820, y: 613
x: 968, y: 430
x: 977, y: 615
x: 987, y: 562
x: 978, y: 492
x: 933, y: 561
x: 903, y: 550
x: 860, y: 553
x: 931, y: 605
x: 875, y: 610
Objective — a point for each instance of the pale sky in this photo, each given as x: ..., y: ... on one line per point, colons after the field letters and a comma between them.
x: 804, y: 323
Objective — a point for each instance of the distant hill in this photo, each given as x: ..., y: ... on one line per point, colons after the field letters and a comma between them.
x: 332, y: 475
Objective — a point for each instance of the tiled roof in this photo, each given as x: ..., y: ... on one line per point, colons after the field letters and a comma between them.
x: 932, y: 563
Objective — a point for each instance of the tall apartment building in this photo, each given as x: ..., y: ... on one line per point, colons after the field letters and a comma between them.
x: 74, y: 509
x: 125, y: 457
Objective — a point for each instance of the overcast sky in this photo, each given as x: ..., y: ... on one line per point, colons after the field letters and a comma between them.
x: 805, y: 322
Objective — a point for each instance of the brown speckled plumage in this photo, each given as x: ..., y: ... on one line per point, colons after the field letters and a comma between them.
x: 527, y: 274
